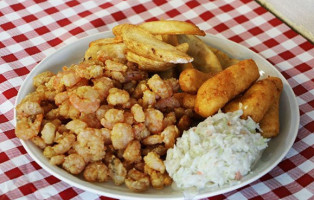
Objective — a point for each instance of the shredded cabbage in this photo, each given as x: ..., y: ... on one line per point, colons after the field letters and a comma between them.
x: 216, y: 152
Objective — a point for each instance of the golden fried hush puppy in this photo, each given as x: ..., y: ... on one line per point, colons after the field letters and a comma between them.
x: 224, y: 86
x: 270, y: 122
x: 256, y: 100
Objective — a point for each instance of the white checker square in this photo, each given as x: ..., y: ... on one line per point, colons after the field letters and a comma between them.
x: 301, y: 78
x: 210, y: 6
x: 135, y: 19
x: 204, y: 26
x: 308, y: 165
x: 68, y: 12
x: 58, y: 32
x: 190, y: 14
x: 4, y: 35
x: 27, y: 61
x: 243, y: 9
x: 303, y: 194
x: 46, y: 20
x: 258, y: 20
x: 253, y: 41
x: 238, y: 29
x: 311, y: 114
x: 289, y: 44
x: 34, y: 8
x: 46, y: 195
x: 7, y: 145
x: 89, y: 5
x: 268, y: 53
x: 37, y: 40
x: 102, y: 13
x: 156, y: 11
x: 261, y: 188
x: 81, y: 21
x: 87, y: 195
x: 12, y: 16
x: 56, y: 3
x: 284, y: 179
x: 176, y: 4
x: 6, y: 106
x: 300, y: 101
x: 3, y: 4
x: 20, y: 160
x: 15, y: 48
x: 224, y: 17
x: 16, y: 81
x: 236, y: 196
x: 274, y: 32
x: 284, y: 65
x: 305, y: 56
x: 5, y: 68
x: 49, y: 51
x: 122, y: 5
x: 25, y: 28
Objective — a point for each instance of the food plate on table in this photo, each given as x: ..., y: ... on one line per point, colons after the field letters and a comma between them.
x: 273, y: 154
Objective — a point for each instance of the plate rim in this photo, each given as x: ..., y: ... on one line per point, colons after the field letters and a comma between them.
x: 292, y: 104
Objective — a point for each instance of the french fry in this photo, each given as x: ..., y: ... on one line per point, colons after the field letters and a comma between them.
x: 190, y: 80
x: 184, y: 47
x: 170, y: 39
x: 171, y: 27
x: 148, y: 64
x: 107, y: 51
x: 147, y: 45
x: 105, y: 41
x: 223, y: 58
x: 204, y: 59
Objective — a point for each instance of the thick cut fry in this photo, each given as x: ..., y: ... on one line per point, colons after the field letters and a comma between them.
x: 270, y: 123
x: 170, y: 39
x: 145, y: 44
x: 204, y: 59
x: 223, y: 58
x: 191, y: 79
x: 148, y: 64
x: 184, y: 47
x: 105, y: 41
x: 171, y: 27
x: 107, y: 51
x: 218, y: 90
x: 256, y: 100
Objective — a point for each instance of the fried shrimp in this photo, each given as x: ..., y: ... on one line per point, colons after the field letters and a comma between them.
x: 117, y: 171
x: 96, y: 172
x: 85, y: 99
x: 28, y: 127
x: 137, y: 181
x: 154, y: 120
x: 160, y: 87
x: 117, y: 96
x: 153, y: 160
x: 121, y: 135
x: 74, y: 163
x: 132, y: 153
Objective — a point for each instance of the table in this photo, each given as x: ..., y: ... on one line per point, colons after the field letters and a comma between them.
x: 31, y: 30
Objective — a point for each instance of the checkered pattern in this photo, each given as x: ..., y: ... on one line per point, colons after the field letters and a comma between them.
x: 31, y: 30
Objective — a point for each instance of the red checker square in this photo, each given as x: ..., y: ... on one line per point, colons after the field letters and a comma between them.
x: 299, y: 90
x: 85, y: 13
x: 4, y: 197
x: 35, y: 165
x: 311, y: 103
x: 21, y: 71
x: 10, y: 134
x: 64, y: 22
x: 2, y: 78
x: 303, y: 67
x: 118, y: 15
x: 17, y: 7
x: 173, y: 13
x: 266, y: 177
x: 12, y: 92
x: 40, y: 1
x: 236, y: 38
x: 72, y: 3
x: 76, y: 31
x: 246, y: 1
x: 106, y: 5
x: 1, y: 14
x: 257, y: 198
x: 30, y: 18
x: 221, y: 27
x: 308, y: 152
x: 21, y: 149
x: 3, y: 119
x: 241, y: 19
x: 286, y: 165
x: 159, y: 2
x: 20, y: 38
x: 52, y: 180
x: 310, y: 126
x: 227, y: 8
x: 306, y: 46
x: 282, y: 192
x: 207, y: 15
x: 192, y: 4
x: 275, y: 22
x: 32, y: 50
x: 286, y: 55
x: 54, y: 42
x: 3, y: 157
x: 218, y: 197
x: 305, y: 180
x: 286, y: 75
x: 256, y: 31
x: 51, y: 10
x: 139, y: 8
x: 28, y: 188
x: 1, y: 45
x: 98, y: 22
x: 68, y: 193
x: 42, y: 30
x: 9, y: 58
x: 290, y: 34
x: 271, y: 43
x: 260, y: 10
x: 7, y: 26
x: 152, y: 19
x: 106, y: 198
x: 14, y: 173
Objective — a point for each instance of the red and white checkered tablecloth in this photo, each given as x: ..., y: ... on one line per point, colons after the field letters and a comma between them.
x: 33, y: 29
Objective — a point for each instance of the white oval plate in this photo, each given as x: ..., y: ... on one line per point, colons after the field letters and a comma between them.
x: 278, y: 146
